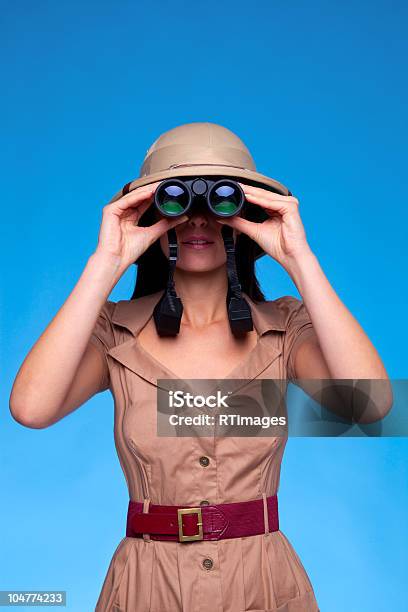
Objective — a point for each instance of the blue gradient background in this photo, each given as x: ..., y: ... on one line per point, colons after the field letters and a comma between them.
x: 317, y: 91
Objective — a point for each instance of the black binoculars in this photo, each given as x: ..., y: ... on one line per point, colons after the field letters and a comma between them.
x: 222, y: 197
x: 175, y: 197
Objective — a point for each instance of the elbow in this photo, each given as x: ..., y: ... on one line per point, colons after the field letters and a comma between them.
x: 28, y: 421
x: 374, y: 415
x: 372, y: 402
x: 361, y: 401
x: 24, y: 415
x: 386, y: 404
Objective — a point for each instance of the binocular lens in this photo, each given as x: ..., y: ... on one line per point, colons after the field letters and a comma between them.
x: 225, y: 200
x: 173, y: 199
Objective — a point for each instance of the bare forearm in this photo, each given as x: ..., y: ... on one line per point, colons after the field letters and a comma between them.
x: 48, y: 370
x: 348, y: 351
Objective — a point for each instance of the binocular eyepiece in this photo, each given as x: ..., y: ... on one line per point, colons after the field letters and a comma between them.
x: 176, y: 197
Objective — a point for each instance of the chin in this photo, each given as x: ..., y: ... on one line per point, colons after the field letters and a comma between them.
x: 192, y: 263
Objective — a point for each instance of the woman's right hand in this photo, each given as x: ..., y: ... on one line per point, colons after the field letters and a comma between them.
x: 120, y: 235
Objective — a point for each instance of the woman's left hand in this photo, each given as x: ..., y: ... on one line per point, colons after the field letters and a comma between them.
x: 282, y: 236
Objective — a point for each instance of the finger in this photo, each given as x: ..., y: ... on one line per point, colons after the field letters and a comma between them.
x: 144, y: 193
x: 150, y: 187
x: 160, y: 227
x: 134, y: 214
x: 132, y: 199
x: 243, y: 225
x: 263, y: 191
x: 269, y: 195
x: 277, y: 204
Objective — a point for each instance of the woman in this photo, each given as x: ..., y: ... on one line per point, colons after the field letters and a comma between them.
x: 94, y: 344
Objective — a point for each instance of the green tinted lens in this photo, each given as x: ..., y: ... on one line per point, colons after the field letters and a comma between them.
x: 226, y: 207
x: 225, y: 200
x: 171, y: 207
x: 172, y: 200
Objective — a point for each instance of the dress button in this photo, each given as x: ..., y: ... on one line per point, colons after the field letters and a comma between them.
x: 205, y: 502
x: 207, y: 563
x: 204, y: 461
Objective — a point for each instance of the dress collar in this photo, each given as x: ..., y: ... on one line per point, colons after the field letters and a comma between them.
x: 134, y: 314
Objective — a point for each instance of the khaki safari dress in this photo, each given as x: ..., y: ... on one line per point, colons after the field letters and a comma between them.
x: 260, y: 573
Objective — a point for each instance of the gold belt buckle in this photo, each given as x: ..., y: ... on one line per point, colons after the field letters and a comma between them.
x: 197, y: 536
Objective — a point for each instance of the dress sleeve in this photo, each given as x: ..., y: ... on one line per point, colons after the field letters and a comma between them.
x: 102, y: 338
x: 299, y: 328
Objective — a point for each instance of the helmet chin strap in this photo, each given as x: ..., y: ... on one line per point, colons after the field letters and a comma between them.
x: 168, y: 311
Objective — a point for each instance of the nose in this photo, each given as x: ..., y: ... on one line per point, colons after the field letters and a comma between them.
x: 198, y: 219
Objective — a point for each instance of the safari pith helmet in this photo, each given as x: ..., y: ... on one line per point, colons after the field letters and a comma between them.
x: 203, y: 149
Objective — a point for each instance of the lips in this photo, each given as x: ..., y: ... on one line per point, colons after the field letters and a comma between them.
x: 198, y: 240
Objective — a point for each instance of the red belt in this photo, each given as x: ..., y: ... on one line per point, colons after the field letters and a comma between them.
x: 207, y: 522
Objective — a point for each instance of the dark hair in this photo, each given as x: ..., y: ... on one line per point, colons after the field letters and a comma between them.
x: 153, y: 266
